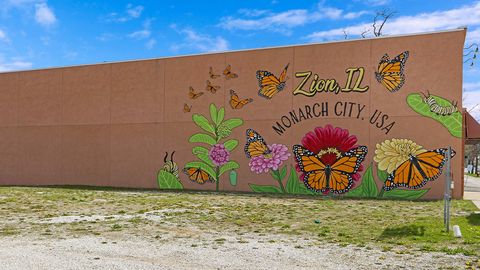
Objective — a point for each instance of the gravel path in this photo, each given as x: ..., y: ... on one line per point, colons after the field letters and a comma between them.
x: 100, y: 253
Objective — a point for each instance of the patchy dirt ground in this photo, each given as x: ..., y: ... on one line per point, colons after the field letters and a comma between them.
x: 207, y: 252
x: 55, y: 228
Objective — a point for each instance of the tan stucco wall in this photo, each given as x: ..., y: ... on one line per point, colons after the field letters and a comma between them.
x: 110, y: 124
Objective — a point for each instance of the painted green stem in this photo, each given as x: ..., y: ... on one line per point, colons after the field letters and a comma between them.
x: 217, y: 183
x: 380, y: 194
x: 279, y: 179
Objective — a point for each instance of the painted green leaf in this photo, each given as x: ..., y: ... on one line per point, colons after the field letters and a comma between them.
x: 283, y: 172
x: 232, y: 123
x: 167, y: 180
x: 382, y: 175
x: 202, y: 138
x: 213, y: 113
x: 452, y: 122
x: 205, y: 158
x: 203, y: 123
x: 220, y: 116
x: 203, y: 166
x: 199, y: 150
x: 264, y: 189
x: 294, y: 186
x: 228, y: 166
x: 405, y: 194
x: 367, y: 188
x: 231, y: 144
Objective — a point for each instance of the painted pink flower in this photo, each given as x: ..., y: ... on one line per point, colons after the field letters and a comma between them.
x: 328, y: 143
x: 271, y: 161
x: 218, y: 154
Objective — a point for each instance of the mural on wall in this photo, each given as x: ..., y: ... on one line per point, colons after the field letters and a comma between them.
x: 211, y: 88
x: 390, y: 73
x: 167, y: 177
x: 266, y: 159
x: 227, y: 72
x: 439, y: 109
x: 328, y: 162
x: 269, y: 84
x: 212, y: 75
x: 236, y: 102
x: 215, y: 161
x: 409, y: 165
x: 329, y: 159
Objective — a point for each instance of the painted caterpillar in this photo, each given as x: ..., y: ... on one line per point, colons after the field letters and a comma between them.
x: 170, y: 165
x: 439, y: 110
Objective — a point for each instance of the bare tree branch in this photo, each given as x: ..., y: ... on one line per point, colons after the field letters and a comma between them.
x: 385, y: 15
x: 364, y: 32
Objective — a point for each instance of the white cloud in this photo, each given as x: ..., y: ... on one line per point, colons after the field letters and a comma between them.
x: 3, y: 36
x: 44, y: 15
x: 438, y: 20
x: 471, y: 86
x: 288, y: 19
x: 134, y: 12
x: 252, y: 12
x: 376, y: 2
x: 199, y: 42
x: 143, y: 33
x: 13, y: 64
x: 131, y: 12
x: 150, y: 44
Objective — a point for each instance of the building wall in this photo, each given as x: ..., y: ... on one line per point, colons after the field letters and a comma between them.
x: 111, y: 124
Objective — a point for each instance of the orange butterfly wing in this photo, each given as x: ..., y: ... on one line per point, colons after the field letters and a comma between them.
x: 186, y: 108
x: 212, y: 88
x: 269, y: 84
x: 236, y: 102
x: 255, y: 145
x: 417, y: 170
x: 192, y: 94
x: 337, y: 178
x: 228, y: 73
x: 197, y: 175
x: 212, y: 75
x: 390, y: 73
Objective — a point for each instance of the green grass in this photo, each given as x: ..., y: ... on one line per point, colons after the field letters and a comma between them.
x: 386, y: 225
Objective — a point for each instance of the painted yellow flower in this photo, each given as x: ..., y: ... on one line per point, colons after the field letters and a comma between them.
x: 391, y: 153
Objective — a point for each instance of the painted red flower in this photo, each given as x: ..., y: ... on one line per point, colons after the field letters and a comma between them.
x: 329, y: 143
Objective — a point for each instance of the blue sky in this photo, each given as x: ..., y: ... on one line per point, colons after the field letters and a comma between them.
x: 46, y: 33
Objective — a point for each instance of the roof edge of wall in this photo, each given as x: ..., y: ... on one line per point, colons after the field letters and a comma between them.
x: 463, y: 28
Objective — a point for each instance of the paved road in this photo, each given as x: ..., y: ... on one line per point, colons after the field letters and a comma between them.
x: 472, y: 184
x: 472, y: 189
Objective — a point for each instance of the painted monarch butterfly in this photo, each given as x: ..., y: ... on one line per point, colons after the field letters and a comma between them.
x: 269, y: 84
x: 236, y: 102
x: 255, y: 145
x: 197, y: 175
x: 417, y: 170
x: 192, y: 94
x: 390, y: 73
x: 337, y: 177
x: 229, y: 74
x: 170, y: 165
x: 212, y: 75
x: 186, y: 108
x: 439, y: 110
x: 212, y: 88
